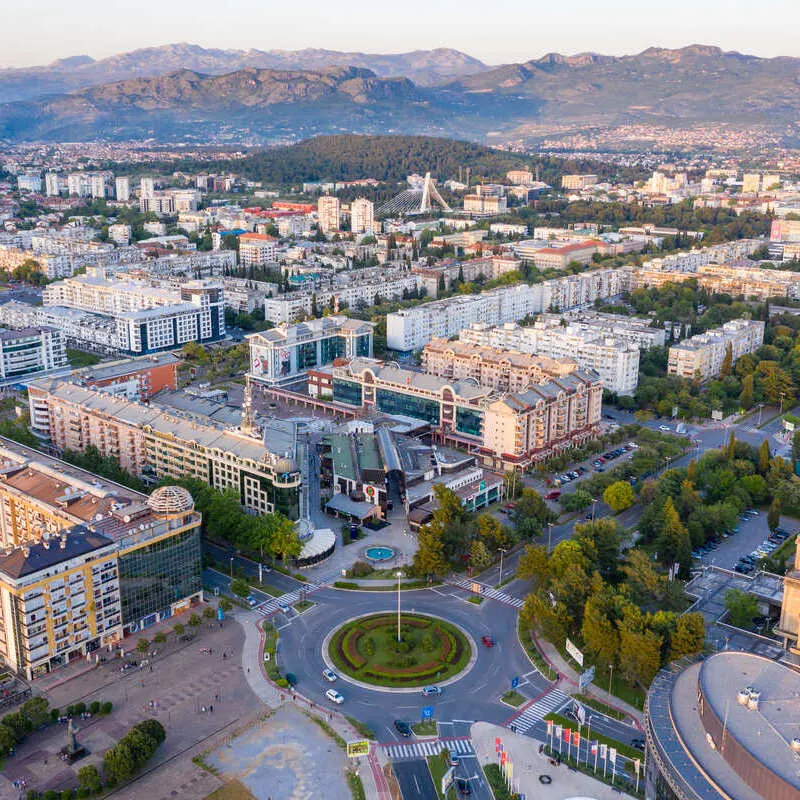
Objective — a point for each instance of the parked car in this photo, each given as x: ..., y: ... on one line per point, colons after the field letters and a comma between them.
x: 329, y: 675
x: 334, y: 696
x: 488, y: 641
x: 554, y: 495
x: 402, y: 727
x: 427, y: 691
x: 664, y: 428
x: 454, y: 759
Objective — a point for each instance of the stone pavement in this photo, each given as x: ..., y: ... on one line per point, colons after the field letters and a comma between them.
x: 529, y: 764
x: 568, y: 682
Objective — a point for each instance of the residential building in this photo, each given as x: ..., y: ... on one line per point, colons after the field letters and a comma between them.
x: 578, y: 182
x: 560, y: 257
x: 256, y: 250
x: 52, y: 184
x: 789, y: 627
x: 614, y: 360
x: 119, y: 234
x: 413, y: 328
x: 98, y: 183
x: 152, y: 443
x: 629, y: 329
x: 505, y: 431
x: 500, y: 369
x: 147, y: 188
x: 31, y: 351
x: 520, y: 177
x: 328, y: 213
x: 704, y: 353
x: 79, y: 184
x: 362, y: 216
x: 134, y: 378
x: 122, y: 189
x: 286, y: 353
x: 484, y: 203
x: 85, y: 560
x: 29, y: 182
x: 722, y: 726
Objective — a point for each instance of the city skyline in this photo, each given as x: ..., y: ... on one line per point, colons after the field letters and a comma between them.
x: 573, y: 27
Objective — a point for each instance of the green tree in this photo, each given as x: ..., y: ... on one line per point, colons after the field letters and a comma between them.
x: 727, y: 362
x: 763, y: 457
x: 756, y: 487
x: 240, y: 587
x: 731, y: 448
x: 37, y: 710
x: 7, y: 739
x: 539, y: 613
x: 89, y: 779
x: 492, y: 534
x: 674, y: 544
x: 119, y: 763
x: 747, y: 397
x: 689, y: 635
x: 575, y: 501
x: 639, y: 648
x: 741, y: 607
x: 534, y: 566
x: 599, y: 630
x: 225, y: 604
x: 600, y: 541
x: 531, y: 514
x: 774, y: 514
x: 619, y: 496
x: 645, y: 585
x: 429, y: 560
x: 479, y: 556
x: 179, y: 629
x: 208, y: 613
x: 143, y: 645
x: 194, y: 621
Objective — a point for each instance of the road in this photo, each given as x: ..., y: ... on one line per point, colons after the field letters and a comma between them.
x: 415, y: 780
x: 276, y: 580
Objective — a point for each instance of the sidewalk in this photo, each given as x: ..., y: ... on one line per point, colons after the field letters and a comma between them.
x: 273, y: 697
x: 569, y: 676
x: 529, y: 765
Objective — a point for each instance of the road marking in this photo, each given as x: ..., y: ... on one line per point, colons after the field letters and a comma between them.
x: 488, y: 591
x: 553, y: 700
x: 430, y: 747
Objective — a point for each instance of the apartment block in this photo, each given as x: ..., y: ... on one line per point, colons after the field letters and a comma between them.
x: 614, y: 360
x: 362, y: 216
x: 85, y: 560
x: 629, y: 329
x: 328, y: 212
x: 31, y: 351
x: 483, y: 204
x: 578, y: 182
x: 703, y: 354
x: 520, y: 177
x: 154, y: 442
x: 502, y: 370
x: 412, y: 328
x: 122, y: 189
x: 506, y: 431
x: 286, y: 353
x: 256, y: 249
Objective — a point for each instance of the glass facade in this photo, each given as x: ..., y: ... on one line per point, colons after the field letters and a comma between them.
x: 306, y: 355
x: 362, y: 345
x: 348, y: 392
x: 153, y: 577
x: 330, y: 348
x: 469, y: 422
x: 285, y: 499
x: 408, y: 405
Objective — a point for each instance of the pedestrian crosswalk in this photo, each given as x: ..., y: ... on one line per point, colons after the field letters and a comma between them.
x: 552, y: 701
x: 432, y: 747
x: 487, y: 591
x: 275, y: 604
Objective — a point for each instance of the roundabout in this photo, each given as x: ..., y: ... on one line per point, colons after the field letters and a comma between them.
x: 366, y: 651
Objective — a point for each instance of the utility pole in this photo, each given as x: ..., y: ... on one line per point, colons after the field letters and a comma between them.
x: 399, y: 575
x: 502, y: 553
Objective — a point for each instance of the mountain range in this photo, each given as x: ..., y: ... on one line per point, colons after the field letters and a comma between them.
x: 182, y: 92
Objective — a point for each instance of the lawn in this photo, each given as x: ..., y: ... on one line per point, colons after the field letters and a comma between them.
x: 427, y: 727
x: 438, y: 766
x: 513, y: 698
x: 476, y: 598
x: 80, y: 358
x: 626, y: 750
x: 302, y: 605
x: 429, y: 650
x: 497, y: 782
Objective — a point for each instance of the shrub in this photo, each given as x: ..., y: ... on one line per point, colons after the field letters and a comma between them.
x: 106, y: 707
x: 208, y: 612
x: 179, y: 629
x: 194, y: 620
x: 369, y: 646
x: 94, y: 707
x: 70, y: 711
x: 428, y: 643
x: 360, y: 569
x: 80, y: 708
x: 160, y: 637
x: 67, y: 794
x: 54, y: 714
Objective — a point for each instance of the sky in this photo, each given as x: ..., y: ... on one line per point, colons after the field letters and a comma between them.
x: 500, y: 31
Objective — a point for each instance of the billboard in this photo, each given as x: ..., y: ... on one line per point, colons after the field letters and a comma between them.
x: 574, y: 652
x: 358, y: 748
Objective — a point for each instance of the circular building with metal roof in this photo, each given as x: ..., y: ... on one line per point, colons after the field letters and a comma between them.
x: 724, y: 727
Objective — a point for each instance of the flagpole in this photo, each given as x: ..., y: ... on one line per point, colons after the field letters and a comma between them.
x: 588, y: 736
x: 605, y: 762
x: 597, y: 747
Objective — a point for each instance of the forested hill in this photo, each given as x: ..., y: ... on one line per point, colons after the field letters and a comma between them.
x: 388, y: 158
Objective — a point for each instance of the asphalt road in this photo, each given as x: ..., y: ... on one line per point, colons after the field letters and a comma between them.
x: 277, y: 580
x: 473, y: 697
x: 415, y: 780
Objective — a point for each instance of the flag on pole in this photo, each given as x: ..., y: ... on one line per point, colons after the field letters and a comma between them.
x: 603, y: 751
x: 612, y: 755
x: 498, y: 745
x: 576, y: 738
x: 558, y: 731
x: 567, y: 734
x: 510, y: 771
x: 594, y: 748
x: 549, y: 727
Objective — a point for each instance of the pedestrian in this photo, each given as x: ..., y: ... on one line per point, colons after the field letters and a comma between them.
x: 211, y: 709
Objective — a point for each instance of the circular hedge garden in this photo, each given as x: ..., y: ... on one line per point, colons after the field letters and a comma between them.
x: 429, y: 650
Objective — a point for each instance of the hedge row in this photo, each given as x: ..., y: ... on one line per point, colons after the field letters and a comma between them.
x: 349, y: 645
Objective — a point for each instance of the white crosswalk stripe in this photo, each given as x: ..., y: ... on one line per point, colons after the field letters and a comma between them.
x: 552, y: 701
x: 427, y: 748
x: 487, y: 591
x: 290, y: 598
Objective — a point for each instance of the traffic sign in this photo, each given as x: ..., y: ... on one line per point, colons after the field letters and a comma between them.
x: 515, y: 682
x: 358, y: 748
x: 586, y: 678
x: 427, y: 712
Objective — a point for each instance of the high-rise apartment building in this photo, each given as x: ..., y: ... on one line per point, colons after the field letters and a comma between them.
x: 256, y: 250
x: 122, y: 189
x: 31, y: 351
x: 362, y: 216
x: 578, y: 181
x: 147, y: 188
x: 328, y: 213
x: 52, y: 184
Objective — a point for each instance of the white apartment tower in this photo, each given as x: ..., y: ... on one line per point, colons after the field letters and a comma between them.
x: 328, y: 213
x: 52, y: 184
x: 122, y: 189
x: 98, y: 182
x: 146, y: 188
x: 362, y: 216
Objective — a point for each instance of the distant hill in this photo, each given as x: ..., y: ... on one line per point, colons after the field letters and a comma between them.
x: 423, y: 67
x: 696, y: 84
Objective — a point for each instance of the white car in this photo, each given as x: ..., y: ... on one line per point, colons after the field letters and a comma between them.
x: 329, y: 675
x: 334, y: 696
x: 664, y: 428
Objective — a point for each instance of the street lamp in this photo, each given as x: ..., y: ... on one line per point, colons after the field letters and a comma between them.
x: 502, y: 553
x: 549, y: 535
x: 399, y: 575
x: 594, y: 505
x: 610, y: 676
x: 231, y: 567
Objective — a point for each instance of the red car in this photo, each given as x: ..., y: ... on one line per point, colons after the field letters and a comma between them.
x: 488, y: 641
x: 554, y: 495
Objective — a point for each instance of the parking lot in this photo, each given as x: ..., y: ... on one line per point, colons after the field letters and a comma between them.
x: 750, y: 536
